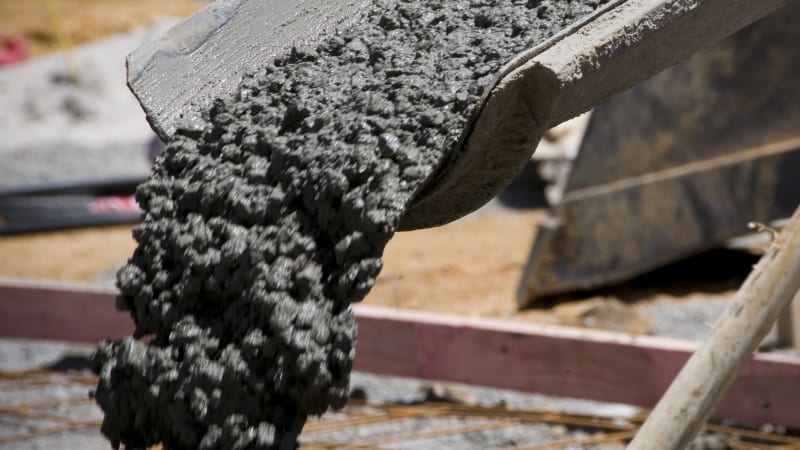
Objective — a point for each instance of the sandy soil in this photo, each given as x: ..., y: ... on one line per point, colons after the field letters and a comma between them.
x: 473, y: 267
x: 470, y: 267
x: 84, y: 20
x: 77, y: 255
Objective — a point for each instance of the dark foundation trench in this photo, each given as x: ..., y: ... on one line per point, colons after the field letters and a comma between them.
x: 267, y: 218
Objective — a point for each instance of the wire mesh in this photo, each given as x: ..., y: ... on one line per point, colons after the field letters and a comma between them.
x: 40, y: 403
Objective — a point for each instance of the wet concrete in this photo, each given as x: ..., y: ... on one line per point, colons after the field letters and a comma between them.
x: 266, y: 218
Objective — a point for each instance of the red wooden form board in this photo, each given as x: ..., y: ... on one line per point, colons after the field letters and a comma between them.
x: 571, y: 362
x: 60, y: 312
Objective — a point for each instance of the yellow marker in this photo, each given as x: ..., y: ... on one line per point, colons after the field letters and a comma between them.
x: 64, y: 40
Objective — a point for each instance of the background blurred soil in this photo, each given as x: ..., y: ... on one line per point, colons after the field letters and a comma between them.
x: 469, y: 267
x: 84, y: 20
x: 75, y: 255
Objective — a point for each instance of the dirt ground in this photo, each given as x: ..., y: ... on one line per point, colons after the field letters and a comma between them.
x: 76, y: 255
x: 83, y: 20
x: 472, y: 267
x: 469, y: 267
x: 477, y: 261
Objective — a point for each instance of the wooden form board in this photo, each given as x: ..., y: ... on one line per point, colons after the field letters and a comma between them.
x: 562, y: 361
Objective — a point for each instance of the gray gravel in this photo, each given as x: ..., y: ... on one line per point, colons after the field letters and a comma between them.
x: 19, y: 354
x: 692, y: 319
x: 685, y: 318
x: 384, y: 390
x: 25, y: 355
x: 91, y: 129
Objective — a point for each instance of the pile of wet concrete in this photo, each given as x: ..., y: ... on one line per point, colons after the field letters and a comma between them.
x: 265, y: 219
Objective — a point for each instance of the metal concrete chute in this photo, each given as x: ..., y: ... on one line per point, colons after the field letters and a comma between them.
x: 679, y: 164
x: 623, y: 42
x: 176, y: 75
x: 618, y: 46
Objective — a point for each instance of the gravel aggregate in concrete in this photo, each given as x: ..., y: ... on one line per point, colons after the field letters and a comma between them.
x: 265, y: 218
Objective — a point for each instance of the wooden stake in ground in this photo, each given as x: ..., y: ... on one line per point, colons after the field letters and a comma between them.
x: 699, y: 386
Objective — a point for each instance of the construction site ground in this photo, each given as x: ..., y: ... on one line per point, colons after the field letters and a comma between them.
x: 470, y: 267
x: 54, y: 130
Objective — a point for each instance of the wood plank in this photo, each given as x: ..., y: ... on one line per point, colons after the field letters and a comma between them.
x: 562, y: 361
x: 553, y: 360
x: 56, y: 311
